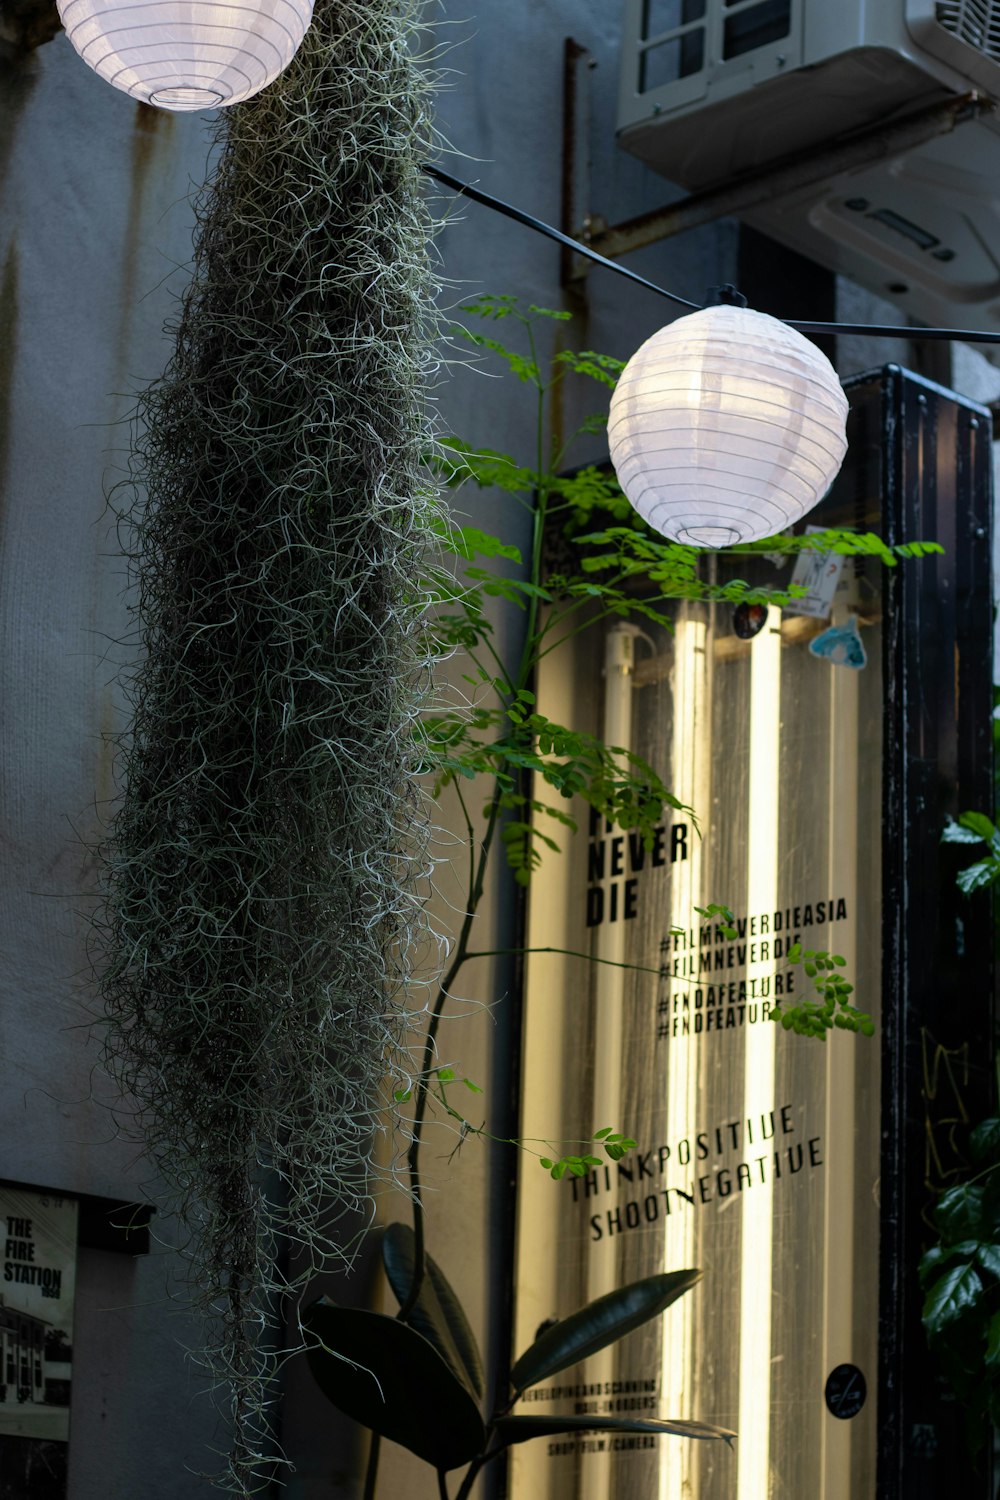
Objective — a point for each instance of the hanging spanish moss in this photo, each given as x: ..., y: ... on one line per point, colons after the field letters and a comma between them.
x: 260, y: 895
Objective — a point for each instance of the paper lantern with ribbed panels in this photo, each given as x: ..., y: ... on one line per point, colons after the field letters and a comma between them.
x: 726, y: 426
x: 186, y: 54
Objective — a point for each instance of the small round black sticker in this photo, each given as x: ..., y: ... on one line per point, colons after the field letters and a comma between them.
x: 845, y: 1391
x: 749, y: 620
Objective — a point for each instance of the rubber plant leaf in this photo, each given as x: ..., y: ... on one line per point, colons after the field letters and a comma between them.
x: 390, y: 1379
x: 522, y: 1429
x: 600, y: 1323
x: 437, y: 1312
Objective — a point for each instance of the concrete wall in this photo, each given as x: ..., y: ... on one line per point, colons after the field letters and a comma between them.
x: 95, y: 230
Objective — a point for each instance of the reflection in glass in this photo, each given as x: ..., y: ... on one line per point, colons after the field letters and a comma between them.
x: 758, y: 1149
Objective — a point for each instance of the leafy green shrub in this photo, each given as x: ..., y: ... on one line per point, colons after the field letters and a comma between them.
x: 961, y: 1278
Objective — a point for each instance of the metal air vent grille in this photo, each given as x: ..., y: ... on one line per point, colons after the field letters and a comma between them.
x: 975, y: 22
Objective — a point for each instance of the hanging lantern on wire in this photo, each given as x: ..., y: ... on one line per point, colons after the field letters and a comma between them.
x: 186, y: 54
x: 726, y: 426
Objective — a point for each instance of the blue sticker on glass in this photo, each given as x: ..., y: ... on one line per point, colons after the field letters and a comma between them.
x: 841, y: 645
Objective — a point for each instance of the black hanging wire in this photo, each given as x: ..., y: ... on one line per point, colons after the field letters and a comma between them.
x: 870, y: 330
x: 520, y: 217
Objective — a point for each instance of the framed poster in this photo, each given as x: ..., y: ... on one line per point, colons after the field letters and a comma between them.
x: 37, y: 1287
x: 764, y: 1157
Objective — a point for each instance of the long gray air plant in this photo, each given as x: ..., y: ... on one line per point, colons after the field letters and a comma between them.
x: 260, y: 905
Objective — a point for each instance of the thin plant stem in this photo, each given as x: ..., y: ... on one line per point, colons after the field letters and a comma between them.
x: 371, y: 1473
x: 477, y: 880
x: 566, y: 952
x: 472, y: 1473
x: 420, y: 1111
x: 575, y: 953
x: 471, y: 836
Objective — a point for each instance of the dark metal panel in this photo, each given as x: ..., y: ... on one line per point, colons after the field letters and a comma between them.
x: 937, y: 963
x: 919, y: 468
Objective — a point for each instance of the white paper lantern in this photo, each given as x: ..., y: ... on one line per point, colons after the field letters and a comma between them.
x: 726, y: 426
x: 187, y: 54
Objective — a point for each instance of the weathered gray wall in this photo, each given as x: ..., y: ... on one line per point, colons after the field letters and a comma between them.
x: 95, y: 228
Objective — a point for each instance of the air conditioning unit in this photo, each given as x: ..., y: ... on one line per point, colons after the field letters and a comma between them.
x: 715, y: 90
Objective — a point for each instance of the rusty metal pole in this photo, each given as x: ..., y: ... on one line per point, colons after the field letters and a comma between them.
x: 788, y: 177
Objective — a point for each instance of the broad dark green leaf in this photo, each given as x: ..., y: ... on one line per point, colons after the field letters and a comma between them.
x: 993, y: 1341
x: 931, y: 1262
x: 391, y: 1380
x: 522, y: 1429
x: 437, y: 1312
x: 938, y: 1256
x: 984, y: 1142
x: 950, y: 1295
x: 959, y: 1213
x: 598, y: 1324
x: 988, y: 1257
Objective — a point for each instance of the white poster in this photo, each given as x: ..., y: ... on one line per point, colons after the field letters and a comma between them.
x: 37, y: 1286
